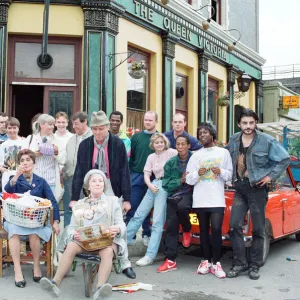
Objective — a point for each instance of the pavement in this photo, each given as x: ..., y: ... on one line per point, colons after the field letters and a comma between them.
x: 279, y: 279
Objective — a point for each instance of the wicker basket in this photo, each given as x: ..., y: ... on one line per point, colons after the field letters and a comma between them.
x: 93, y: 238
x: 25, y: 216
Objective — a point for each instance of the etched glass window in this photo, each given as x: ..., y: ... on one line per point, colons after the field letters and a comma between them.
x: 26, y: 61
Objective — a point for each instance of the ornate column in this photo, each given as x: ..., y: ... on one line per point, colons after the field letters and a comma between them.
x: 259, y: 93
x: 168, y: 51
x: 231, y: 76
x: 101, y: 24
x: 4, y: 5
x: 203, y: 58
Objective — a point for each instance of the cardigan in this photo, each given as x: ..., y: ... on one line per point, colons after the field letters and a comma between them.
x: 115, y: 217
x: 118, y: 167
x: 38, y: 187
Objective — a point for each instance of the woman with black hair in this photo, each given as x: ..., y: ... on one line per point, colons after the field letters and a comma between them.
x: 208, y: 169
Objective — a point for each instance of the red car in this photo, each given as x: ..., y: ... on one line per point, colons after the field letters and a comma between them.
x: 282, y: 214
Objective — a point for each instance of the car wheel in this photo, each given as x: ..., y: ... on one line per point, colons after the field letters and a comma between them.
x: 266, y: 248
x: 297, y: 235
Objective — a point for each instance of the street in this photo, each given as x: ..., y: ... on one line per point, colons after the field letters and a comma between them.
x: 279, y: 280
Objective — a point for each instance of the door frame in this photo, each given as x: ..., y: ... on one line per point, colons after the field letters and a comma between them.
x: 64, y: 83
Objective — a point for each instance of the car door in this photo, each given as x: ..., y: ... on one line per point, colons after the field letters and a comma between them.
x: 290, y: 200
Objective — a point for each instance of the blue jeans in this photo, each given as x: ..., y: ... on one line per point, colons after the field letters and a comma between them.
x: 66, y: 201
x: 138, y: 191
x: 158, y: 201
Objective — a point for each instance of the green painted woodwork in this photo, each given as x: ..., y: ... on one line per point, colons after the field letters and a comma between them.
x: 61, y: 101
x: 159, y: 18
x: 167, y: 93
x: 231, y: 111
x: 202, y: 103
x: 2, y: 70
x: 110, y: 103
x: 94, y: 75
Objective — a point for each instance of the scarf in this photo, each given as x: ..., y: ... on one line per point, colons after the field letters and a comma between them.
x: 100, y: 162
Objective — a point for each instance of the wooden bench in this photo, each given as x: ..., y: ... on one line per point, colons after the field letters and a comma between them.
x: 6, y: 258
x: 90, y: 265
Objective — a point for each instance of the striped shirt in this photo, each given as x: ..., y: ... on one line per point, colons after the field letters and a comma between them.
x: 45, y: 165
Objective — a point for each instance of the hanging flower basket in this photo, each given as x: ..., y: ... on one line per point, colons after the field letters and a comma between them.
x: 223, y: 101
x: 137, y: 70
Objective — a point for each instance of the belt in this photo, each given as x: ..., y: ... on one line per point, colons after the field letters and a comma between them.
x: 242, y: 179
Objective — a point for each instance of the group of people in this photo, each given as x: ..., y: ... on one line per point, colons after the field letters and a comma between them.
x: 108, y: 178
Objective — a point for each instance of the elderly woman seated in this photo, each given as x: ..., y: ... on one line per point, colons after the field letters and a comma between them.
x: 100, y: 209
x: 25, y: 180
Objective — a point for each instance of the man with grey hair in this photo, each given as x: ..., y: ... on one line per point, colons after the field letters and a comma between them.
x: 140, y: 151
x: 105, y: 152
x: 178, y: 125
x: 82, y: 131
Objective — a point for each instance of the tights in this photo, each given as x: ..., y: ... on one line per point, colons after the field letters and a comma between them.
x: 213, y: 220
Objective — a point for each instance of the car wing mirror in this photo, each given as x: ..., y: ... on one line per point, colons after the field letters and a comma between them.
x: 298, y: 187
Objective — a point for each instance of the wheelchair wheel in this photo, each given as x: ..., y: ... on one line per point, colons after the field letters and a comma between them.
x: 117, y: 266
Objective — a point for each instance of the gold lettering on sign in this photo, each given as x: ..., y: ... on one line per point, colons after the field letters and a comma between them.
x: 211, y: 47
x: 143, y: 11
x: 177, y: 29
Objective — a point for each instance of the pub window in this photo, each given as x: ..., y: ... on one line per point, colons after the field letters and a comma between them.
x: 212, y: 109
x: 182, y: 95
x: 25, y: 65
x: 216, y: 4
x: 137, y: 89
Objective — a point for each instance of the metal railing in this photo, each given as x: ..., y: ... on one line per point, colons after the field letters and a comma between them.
x: 280, y: 72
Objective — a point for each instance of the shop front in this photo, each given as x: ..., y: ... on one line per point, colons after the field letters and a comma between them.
x: 126, y: 55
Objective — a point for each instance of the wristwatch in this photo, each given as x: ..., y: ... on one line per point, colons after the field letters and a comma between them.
x: 56, y: 221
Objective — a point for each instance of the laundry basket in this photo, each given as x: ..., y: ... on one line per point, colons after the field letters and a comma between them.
x: 26, y: 216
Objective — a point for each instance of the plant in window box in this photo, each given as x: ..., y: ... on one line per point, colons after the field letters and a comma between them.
x: 224, y: 100
x: 137, y: 69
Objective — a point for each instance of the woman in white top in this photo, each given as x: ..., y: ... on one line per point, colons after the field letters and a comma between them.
x: 156, y: 197
x: 208, y: 169
x: 48, y: 153
x: 62, y: 134
x: 9, y: 150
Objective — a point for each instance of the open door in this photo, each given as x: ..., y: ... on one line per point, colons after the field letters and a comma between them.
x: 60, y: 99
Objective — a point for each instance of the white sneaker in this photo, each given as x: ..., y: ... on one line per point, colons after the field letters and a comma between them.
x: 145, y: 261
x: 204, y: 267
x: 132, y: 243
x: 217, y: 270
x: 146, y: 240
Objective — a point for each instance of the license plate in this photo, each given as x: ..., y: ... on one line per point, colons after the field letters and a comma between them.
x: 194, y: 219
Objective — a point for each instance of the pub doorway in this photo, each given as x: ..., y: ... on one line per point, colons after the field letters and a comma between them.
x: 27, y: 101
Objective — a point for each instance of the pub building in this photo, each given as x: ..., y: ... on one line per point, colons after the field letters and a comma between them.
x: 126, y: 55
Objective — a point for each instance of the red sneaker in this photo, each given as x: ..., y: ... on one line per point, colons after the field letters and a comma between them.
x: 186, y: 239
x: 167, y: 266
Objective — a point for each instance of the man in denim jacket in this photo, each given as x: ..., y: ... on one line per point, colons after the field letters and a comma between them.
x: 257, y: 159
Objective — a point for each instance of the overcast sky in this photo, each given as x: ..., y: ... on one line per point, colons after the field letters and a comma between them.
x: 280, y: 31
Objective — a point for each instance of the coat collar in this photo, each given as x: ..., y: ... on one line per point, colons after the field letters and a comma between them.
x: 35, y: 180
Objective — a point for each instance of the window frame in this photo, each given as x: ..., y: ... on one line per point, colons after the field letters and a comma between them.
x: 178, y: 110
x: 13, y: 39
x: 213, y: 86
x: 218, y: 8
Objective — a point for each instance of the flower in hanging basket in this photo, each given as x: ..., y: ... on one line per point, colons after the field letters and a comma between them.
x: 224, y: 100
x: 137, y: 69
